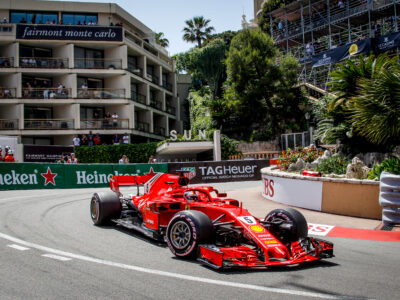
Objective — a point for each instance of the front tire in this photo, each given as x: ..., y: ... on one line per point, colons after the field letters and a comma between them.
x: 104, y: 206
x: 186, y: 230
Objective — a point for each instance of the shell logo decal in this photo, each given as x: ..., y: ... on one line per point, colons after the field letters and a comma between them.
x: 271, y: 242
x: 257, y: 228
x: 353, y: 49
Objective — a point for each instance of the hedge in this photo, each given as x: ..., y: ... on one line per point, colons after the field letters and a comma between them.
x: 136, y: 153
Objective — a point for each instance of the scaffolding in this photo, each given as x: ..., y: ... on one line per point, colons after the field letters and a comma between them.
x: 308, y: 27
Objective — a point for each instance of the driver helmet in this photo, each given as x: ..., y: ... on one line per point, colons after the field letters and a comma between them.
x: 190, y: 197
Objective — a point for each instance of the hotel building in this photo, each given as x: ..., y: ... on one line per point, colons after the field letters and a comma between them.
x: 67, y: 67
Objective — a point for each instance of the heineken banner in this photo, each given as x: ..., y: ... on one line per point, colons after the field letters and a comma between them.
x: 340, y: 53
x: 24, y: 176
x: 221, y: 171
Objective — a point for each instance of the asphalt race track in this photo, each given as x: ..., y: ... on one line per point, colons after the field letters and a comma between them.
x: 49, y: 249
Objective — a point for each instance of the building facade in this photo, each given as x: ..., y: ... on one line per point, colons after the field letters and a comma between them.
x: 69, y: 68
x: 320, y: 32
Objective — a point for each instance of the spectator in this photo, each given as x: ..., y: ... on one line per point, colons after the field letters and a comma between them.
x: 84, y: 140
x: 5, y: 21
x: 61, y: 160
x: 107, y: 119
x: 90, y: 138
x: 46, y: 91
x: 280, y: 26
x: 76, y: 140
x: 72, y: 159
x: 23, y: 21
x: 152, y: 160
x: 32, y: 62
x: 60, y: 90
x: 116, y: 139
x: 97, y: 139
x: 125, y: 138
x: 124, y: 160
x: 1, y: 154
x: 341, y: 4
x: 85, y: 92
x: 115, y: 117
x: 9, y: 157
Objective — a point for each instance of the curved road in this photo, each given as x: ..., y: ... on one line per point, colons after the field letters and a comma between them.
x: 50, y: 249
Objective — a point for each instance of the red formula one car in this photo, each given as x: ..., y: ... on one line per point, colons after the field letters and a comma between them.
x: 199, y: 221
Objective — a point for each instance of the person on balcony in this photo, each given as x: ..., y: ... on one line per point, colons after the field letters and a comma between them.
x: 76, y: 141
x: 125, y: 138
x: 85, y: 92
x: 107, y: 120
x: 90, y: 138
x: 116, y: 139
x: 115, y: 117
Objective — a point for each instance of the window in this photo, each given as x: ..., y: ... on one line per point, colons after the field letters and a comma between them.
x: 25, y: 51
x: 38, y: 112
x: 33, y: 17
x: 88, y: 58
x: 79, y: 19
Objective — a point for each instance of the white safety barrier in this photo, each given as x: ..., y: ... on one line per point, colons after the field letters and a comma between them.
x: 389, y: 198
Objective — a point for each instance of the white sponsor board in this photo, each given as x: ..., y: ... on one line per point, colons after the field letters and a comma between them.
x: 295, y: 192
x: 318, y: 229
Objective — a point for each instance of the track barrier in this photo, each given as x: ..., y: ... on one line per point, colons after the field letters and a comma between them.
x: 389, y: 198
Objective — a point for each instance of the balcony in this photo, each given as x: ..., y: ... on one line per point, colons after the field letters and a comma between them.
x: 142, y: 126
x: 156, y: 104
x: 6, y: 29
x: 167, y: 86
x: 135, y: 96
x: 105, y: 124
x: 8, y: 124
x: 101, y: 93
x: 97, y: 63
x: 7, y: 93
x: 171, y: 110
x: 159, y: 131
x: 43, y: 62
x: 154, y: 79
x: 46, y: 93
x: 50, y: 124
x: 135, y: 70
x: 6, y: 62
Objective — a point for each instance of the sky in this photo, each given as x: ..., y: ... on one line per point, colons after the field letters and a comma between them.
x: 168, y: 16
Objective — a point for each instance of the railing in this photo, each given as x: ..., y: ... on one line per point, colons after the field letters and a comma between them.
x: 43, y: 62
x: 100, y: 93
x: 153, y: 78
x: 97, y: 63
x: 51, y: 124
x: 171, y: 110
x: 156, y: 104
x: 135, y: 70
x: 8, y: 124
x: 105, y: 123
x: 46, y: 93
x: 7, y: 93
x: 159, y: 131
x: 142, y: 126
x: 255, y: 155
x: 6, y: 28
x: 6, y: 62
x: 135, y: 96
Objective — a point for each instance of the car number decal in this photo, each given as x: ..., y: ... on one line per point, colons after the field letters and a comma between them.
x: 248, y: 220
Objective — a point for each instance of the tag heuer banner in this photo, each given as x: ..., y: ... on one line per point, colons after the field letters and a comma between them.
x: 24, y: 176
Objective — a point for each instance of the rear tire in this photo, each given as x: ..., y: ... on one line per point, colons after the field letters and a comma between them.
x: 104, y: 206
x: 299, y: 228
x: 186, y: 230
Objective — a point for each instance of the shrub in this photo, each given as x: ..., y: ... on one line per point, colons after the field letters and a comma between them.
x: 136, y: 153
x: 391, y: 165
x: 228, y: 147
x: 335, y: 164
x: 292, y: 155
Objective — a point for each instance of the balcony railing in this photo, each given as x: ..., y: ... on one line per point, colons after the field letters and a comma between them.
x: 156, y: 104
x: 8, y: 124
x: 50, y: 124
x: 159, y: 131
x: 135, y: 96
x: 43, y: 62
x: 104, y: 124
x: 142, y: 126
x: 101, y: 93
x: 7, y: 93
x: 171, y: 110
x: 97, y: 63
x: 167, y: 86
x: 153, y: 78
x: 135, y: 70
x: 46, y: 93
x: 6, y: 62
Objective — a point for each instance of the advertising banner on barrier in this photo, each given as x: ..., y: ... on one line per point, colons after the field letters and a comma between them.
x: 221, y: 171
x: 39, y: 153
x: 25, y: 176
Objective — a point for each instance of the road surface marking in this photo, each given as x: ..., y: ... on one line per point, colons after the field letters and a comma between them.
x: 57, y: 257
x: 175, y: 275
x: 18, y: 247
x: 319, y: 229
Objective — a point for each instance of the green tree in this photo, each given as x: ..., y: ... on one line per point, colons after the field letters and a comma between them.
x: 197, y: 30
x: 161, y: 40
x: 261, y: 89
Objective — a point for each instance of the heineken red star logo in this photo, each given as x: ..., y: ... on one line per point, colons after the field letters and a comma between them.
x: 151, y: 173
x: 49, y: 177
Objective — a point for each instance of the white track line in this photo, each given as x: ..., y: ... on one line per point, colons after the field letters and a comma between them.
x: 57, y: 257
x: 174, y: 275
x: 18, y: 247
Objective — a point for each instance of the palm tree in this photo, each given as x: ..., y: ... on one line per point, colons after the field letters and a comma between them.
x: 161, y: 40
x: 197, y: 30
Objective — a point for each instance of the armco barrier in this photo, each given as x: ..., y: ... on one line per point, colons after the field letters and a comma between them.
x: 25, y: 176
x: 389, y: 198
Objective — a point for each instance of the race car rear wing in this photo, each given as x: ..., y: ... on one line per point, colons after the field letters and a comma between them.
x: 129, y: 180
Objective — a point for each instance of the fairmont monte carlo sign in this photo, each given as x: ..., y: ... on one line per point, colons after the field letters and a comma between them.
x: 66, y: 32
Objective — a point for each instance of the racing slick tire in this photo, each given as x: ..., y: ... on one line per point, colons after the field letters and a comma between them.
x: 186, y: 230
x: 104, y: 206
x: 299, y: 228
